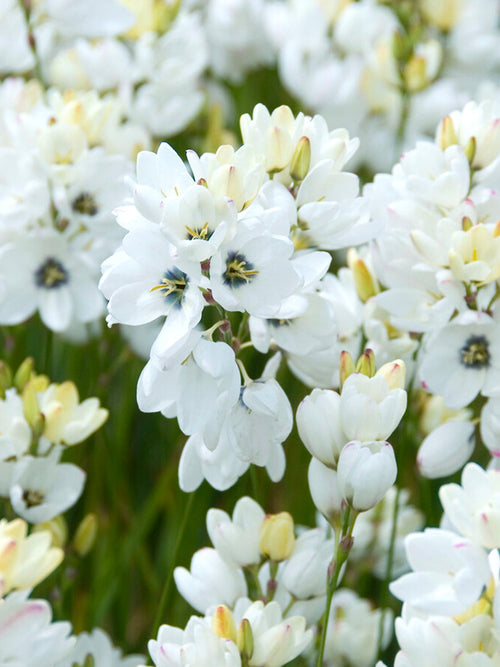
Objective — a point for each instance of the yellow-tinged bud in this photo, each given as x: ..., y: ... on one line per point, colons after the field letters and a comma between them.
x: 447, y: 135
x: 32, y: 413
x: 5, y: 378
x: 85, y: 535
x: 244, y: 640
x: 223, y: 623
x: 470, y: 149
x: 57, y: 527
x: 301, y: 159
x: 401, y: 47
x: 346, y: 367
x: 365, y: 285
x: 24, y: 373
x: 276, y: 536
x: 496, y: 230
x: 366, y: 363
x: 394, y: 373
x: 88, y: 662
x: 415, y: 74
x: 467, y: 224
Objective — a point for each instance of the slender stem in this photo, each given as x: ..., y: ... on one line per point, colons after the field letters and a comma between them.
x: 341, y: 554
x: 168, y: 580
x: 47, y: 352
x: 388, y: 570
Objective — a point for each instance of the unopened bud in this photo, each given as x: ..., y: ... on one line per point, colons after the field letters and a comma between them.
x: 223, y: 623
x: 5, y: 378
x: 57, y: 528
x: 401, y: 48
x: 301, y: 159
x: 415, y: 74
x: 447, y: 135
x: 244, y: 639
x: 279, y: 149
x: 85, y: 535
x: 394, y: 373
x: 32, y: 413
x: 365, y: 285
x: 346, y: 367
x: 88, y: 662
x: 276, y: 536
x: 467, y: 223
x: 470, y: 149
x: 366, y: 363
x: 24, y: 373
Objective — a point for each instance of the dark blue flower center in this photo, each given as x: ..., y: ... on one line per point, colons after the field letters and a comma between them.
x: 475, y: 353
x: 51, y: 274
x: 238, y: 271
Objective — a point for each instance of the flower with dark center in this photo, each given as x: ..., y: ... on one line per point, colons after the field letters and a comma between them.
x: 238, y: 270
x: 85, y: 203
x: 51, y: 274
x: 33, y: 498
x: 172, y: 286
x: 475, y: 353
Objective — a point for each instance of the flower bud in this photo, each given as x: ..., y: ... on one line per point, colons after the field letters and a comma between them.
x: 276, y: 536
x: 223, y: 623
x: 415, y: 74
x: 366, y: 471
x: 5, y: 378
x: 394, y: 373
x: 446, y: 449
x: 24, y: 373
x: 325, y: 492
x: 366, y: 363
x: 346, y: 367
x: 301, y: 159
x: 318, y: 423
x: 470, y: 149
x: 447, y: 135
x: 32, y: 413
x: 364, y: 283
x: 467, y: 224
x: 85, y: 535
x: 244, y: 639
x: 57, y: 528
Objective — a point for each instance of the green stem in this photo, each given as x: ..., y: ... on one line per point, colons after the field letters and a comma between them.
x: 168, y: 580
x: 388, y: 571
x: 341, y: 554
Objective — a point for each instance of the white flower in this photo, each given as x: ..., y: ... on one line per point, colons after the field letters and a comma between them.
x: 15, y: 433
x: 45, y: 273
x: 210, y: 581
x: 27, y: 635
x: 196, y: 645
x: 41, y: 488
x: 446, y: 449
x: 365, y: 472
x: 324, y: 489
x: 25, y: 560
x: 98, y: 645
x: 463, y: 359
x: 276, y: 641
x: 473, y: 506
x: 369, y: 409
x: 304, y: 572
x: 67, y: 421
x: 449, y: 572
x: 253, y: 272
x: 353, y: 628
x: 238, y: 540
x: 319, y: 425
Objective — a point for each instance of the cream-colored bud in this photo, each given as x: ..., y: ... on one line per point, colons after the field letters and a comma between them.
x: 24, y: 373
x: 57, y: 527
x: 467, y: 224
x: 470, y: 149
x: 223, y: 623
x: 447, y: 135
x: 366, y: 286
x: 301, y: 159
x: 366, y: 363
x: 394, y: 373
x: 244, y: 639
x: 85, y: 535
x: 5, y: 378
x: 346, y: 367
x: 32, y: 413
x: 415, y: 74
x: 276, y: 536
